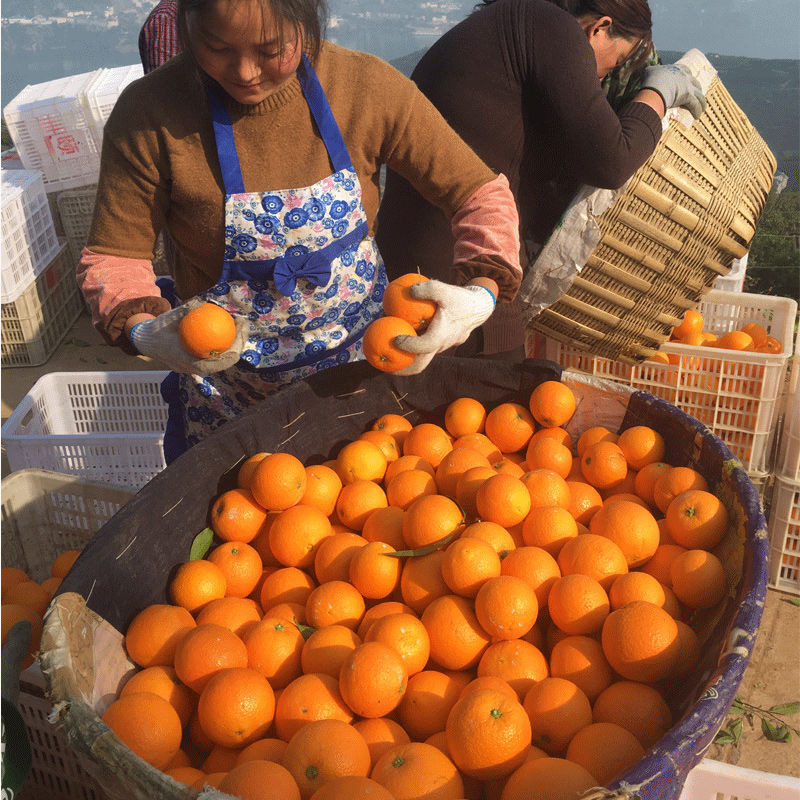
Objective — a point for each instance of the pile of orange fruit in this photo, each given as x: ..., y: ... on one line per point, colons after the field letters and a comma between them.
x: 476, y: 608
x: 26, y: 599
x: 750, y: 337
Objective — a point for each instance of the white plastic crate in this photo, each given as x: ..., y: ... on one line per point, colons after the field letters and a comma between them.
x: 9, y: 159
x: 29, y: 237
x: 43, y: 514
x: 715, y: 780
x: 103, y: 426
x: 734, y: 280
x: 100, y: 96
x: 75, y: 208
x: 735, y: 393
x: 789, y: 453
x: 52, y: 133
x: 35, y: 323
x: 784, y: 536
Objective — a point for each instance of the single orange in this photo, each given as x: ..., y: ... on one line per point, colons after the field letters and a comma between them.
x: 154, y: 633
x: 323, y: 485
x: 641, y: 445
x: 148, y: 725
x: 506, y: 607
x: 517, y: 661
x: 509, y: 426
x: 206, y: 650
x: 581, y: 659
x: 692, y: 323
x: 697, y: 519
x: 631, y: 527
x: 578, y: 604
x: 309, y: 697
x: 605, y: 749
x: 637, y: 707
x: 467, y: 564
x: 279, y: 481
x: 324, y: 750
x: 335, y: 603
x: 326, y: 649
x: 427, y: 701
x: 197, y: 583
x: 552, y: 403
x: 207, y: 331
x: 550, y: 454
x: 296, y: 533
x: 428, y: 440
x: 536, y: 567
x: 236, y: 516
x: 274, y: 647
x: 236, y: 707
x: 373, y: 679
x: 385, y: 525
x: 549, y: 527
x: 399, y: 302
x: 557, y: 709
x: 374, y: 571
x: 641, y: 642
x: 240, y: 564
x: 378, y: 344
x: 406, y: 635
x: 503, y: 499
x: 488, y: 734
x: 464, y: 415
x: 63, y: 563
x: 603, y: 464
x: 698, y: 579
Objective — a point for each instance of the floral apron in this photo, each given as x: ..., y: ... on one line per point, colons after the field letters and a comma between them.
x: 299, y: 264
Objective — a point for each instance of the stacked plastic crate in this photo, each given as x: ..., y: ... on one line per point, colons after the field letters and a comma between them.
x: 40, y: 299
x: 784, y: 513
x: 57, y: 130
x: 736, y: 393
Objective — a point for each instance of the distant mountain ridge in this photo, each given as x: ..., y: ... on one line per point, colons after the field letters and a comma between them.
x: 767, y: 91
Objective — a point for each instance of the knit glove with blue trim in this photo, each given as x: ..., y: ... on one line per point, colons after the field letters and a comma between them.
x: 460, y: 310
x: 158, y: 339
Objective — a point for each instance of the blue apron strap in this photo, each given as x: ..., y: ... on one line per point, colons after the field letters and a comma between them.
x: 226, y: 147
x: 323, y: 116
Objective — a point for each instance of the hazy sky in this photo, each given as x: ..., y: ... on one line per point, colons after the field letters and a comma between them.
x: 754, y: 28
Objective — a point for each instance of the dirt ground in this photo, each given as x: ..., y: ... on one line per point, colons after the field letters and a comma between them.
x: 772, y: 678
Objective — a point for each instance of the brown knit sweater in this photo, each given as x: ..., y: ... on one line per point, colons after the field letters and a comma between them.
x: 160, y: 166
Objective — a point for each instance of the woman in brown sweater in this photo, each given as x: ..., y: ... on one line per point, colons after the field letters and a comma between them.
x: 259, y: 149
x: 520, y: 81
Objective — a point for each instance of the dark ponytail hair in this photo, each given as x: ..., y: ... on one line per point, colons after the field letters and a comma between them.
x: 306, y: 17
x: 629, y: 18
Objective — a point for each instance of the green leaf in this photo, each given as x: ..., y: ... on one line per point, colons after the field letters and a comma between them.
x: 429, y: 548
x: 306, y: 630
x: 723, y: 738
x: 201, y: 544
x: 775, y: 733
x: 786, y: 708
x: 736, y: 730
x: 795, y: 601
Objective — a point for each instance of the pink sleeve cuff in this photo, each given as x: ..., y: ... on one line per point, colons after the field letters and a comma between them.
x: 106, y: 281
x: 487, y: 225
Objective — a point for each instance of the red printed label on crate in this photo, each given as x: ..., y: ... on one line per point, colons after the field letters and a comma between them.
x: 62, y: 146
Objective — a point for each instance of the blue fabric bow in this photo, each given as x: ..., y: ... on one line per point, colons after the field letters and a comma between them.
x: 314, y: 266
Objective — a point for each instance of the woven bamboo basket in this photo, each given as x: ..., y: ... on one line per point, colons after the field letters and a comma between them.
x: 681, y: 221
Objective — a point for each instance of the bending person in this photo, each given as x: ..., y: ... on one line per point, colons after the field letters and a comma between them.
x: 520, y: 81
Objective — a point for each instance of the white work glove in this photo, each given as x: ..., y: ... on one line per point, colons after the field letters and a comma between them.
x: 460, y: 310
x: 158, y: 338
x: 676, y: 86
